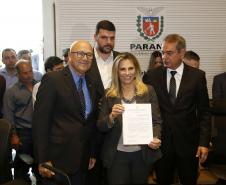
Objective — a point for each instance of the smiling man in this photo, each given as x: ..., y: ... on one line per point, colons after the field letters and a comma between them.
x: 64, y: 117
x: 184, y: 103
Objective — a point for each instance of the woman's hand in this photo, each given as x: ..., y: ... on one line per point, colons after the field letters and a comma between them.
x: 117, y: 110
x: 155, y: 143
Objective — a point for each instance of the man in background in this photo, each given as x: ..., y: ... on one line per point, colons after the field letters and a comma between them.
x: 100, y: 70
x: 26, y: 55
x: 52, y: 63
x: 18, y: 110
x: 65, y: 55
x: 2, y: 91
x: 9, y: 58
x: 219, y: 86
x: 104, y: 54
x: 192, y: 59
x: 9, y: 72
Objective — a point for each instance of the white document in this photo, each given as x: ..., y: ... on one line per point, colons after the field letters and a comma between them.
x: 137, y: 124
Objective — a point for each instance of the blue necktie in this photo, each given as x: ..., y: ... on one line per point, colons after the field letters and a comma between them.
x: 172, y: 87
x: 82, y: 97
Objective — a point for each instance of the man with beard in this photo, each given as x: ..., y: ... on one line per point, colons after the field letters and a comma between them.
x: 104, y: 55
x: 101, y: 72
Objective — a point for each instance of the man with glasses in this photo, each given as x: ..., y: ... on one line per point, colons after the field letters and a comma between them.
x: 101, y: 71
x: 65, y: 117
x: 184, y: 103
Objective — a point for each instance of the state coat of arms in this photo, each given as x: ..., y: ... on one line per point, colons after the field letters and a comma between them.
x: 150, y: 26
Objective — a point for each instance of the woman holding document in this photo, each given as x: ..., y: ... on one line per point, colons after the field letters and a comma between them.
x: 127, y: 164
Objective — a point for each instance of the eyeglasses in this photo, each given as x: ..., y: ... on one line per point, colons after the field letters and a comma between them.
x: 81, y: 54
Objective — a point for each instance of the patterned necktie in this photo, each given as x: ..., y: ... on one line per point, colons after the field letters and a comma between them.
x: 82, y: 97
x: 172, y: 87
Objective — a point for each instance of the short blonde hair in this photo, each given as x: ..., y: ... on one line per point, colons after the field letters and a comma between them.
x: 115, y: 88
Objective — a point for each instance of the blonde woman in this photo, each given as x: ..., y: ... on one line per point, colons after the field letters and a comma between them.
x: 127, y: 164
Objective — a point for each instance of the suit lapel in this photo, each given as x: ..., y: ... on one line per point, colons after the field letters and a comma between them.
x: 91, y: 90
x: 164, y: 82
x: 96, y: 75
x: 69, y: 80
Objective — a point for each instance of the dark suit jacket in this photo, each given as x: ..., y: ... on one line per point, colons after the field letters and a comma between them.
x: 186, y: 124
x: 95, y: 74
x: 113, y: 134
x: 2, y: 91
x: 219, y: 86
x: 60, y: 132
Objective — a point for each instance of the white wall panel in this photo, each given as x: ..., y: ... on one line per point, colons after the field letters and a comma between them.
x: 201, y: 22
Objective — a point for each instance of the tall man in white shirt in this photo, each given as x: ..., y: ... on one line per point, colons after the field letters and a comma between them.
x: 104, y: 55
x: 101, y: 71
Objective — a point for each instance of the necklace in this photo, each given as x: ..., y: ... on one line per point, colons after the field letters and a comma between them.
x: 129, y: 100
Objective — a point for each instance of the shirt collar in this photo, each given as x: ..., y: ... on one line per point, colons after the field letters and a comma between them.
x: 75, y: 75
x: 179, y: 70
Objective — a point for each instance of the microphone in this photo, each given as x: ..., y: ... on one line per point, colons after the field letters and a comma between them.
x: 57, y: 171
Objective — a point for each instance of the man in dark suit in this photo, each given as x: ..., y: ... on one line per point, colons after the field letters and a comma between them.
x: 101, y: 71
x: 219, y: 86
x: 65, y: 117
x: 183, y: 100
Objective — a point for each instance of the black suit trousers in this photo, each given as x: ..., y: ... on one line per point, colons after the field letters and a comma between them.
x: 171, y: 163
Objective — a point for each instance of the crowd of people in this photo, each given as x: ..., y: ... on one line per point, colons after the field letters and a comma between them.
x: 71, y: 118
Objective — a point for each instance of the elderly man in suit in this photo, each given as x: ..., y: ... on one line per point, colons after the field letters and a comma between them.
x: 184, y: 103
x: 65, y: 116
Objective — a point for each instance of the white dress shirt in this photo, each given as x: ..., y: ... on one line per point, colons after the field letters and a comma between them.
x: 34, y: 92
x: 105, y: 68
x: 177, y: 76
